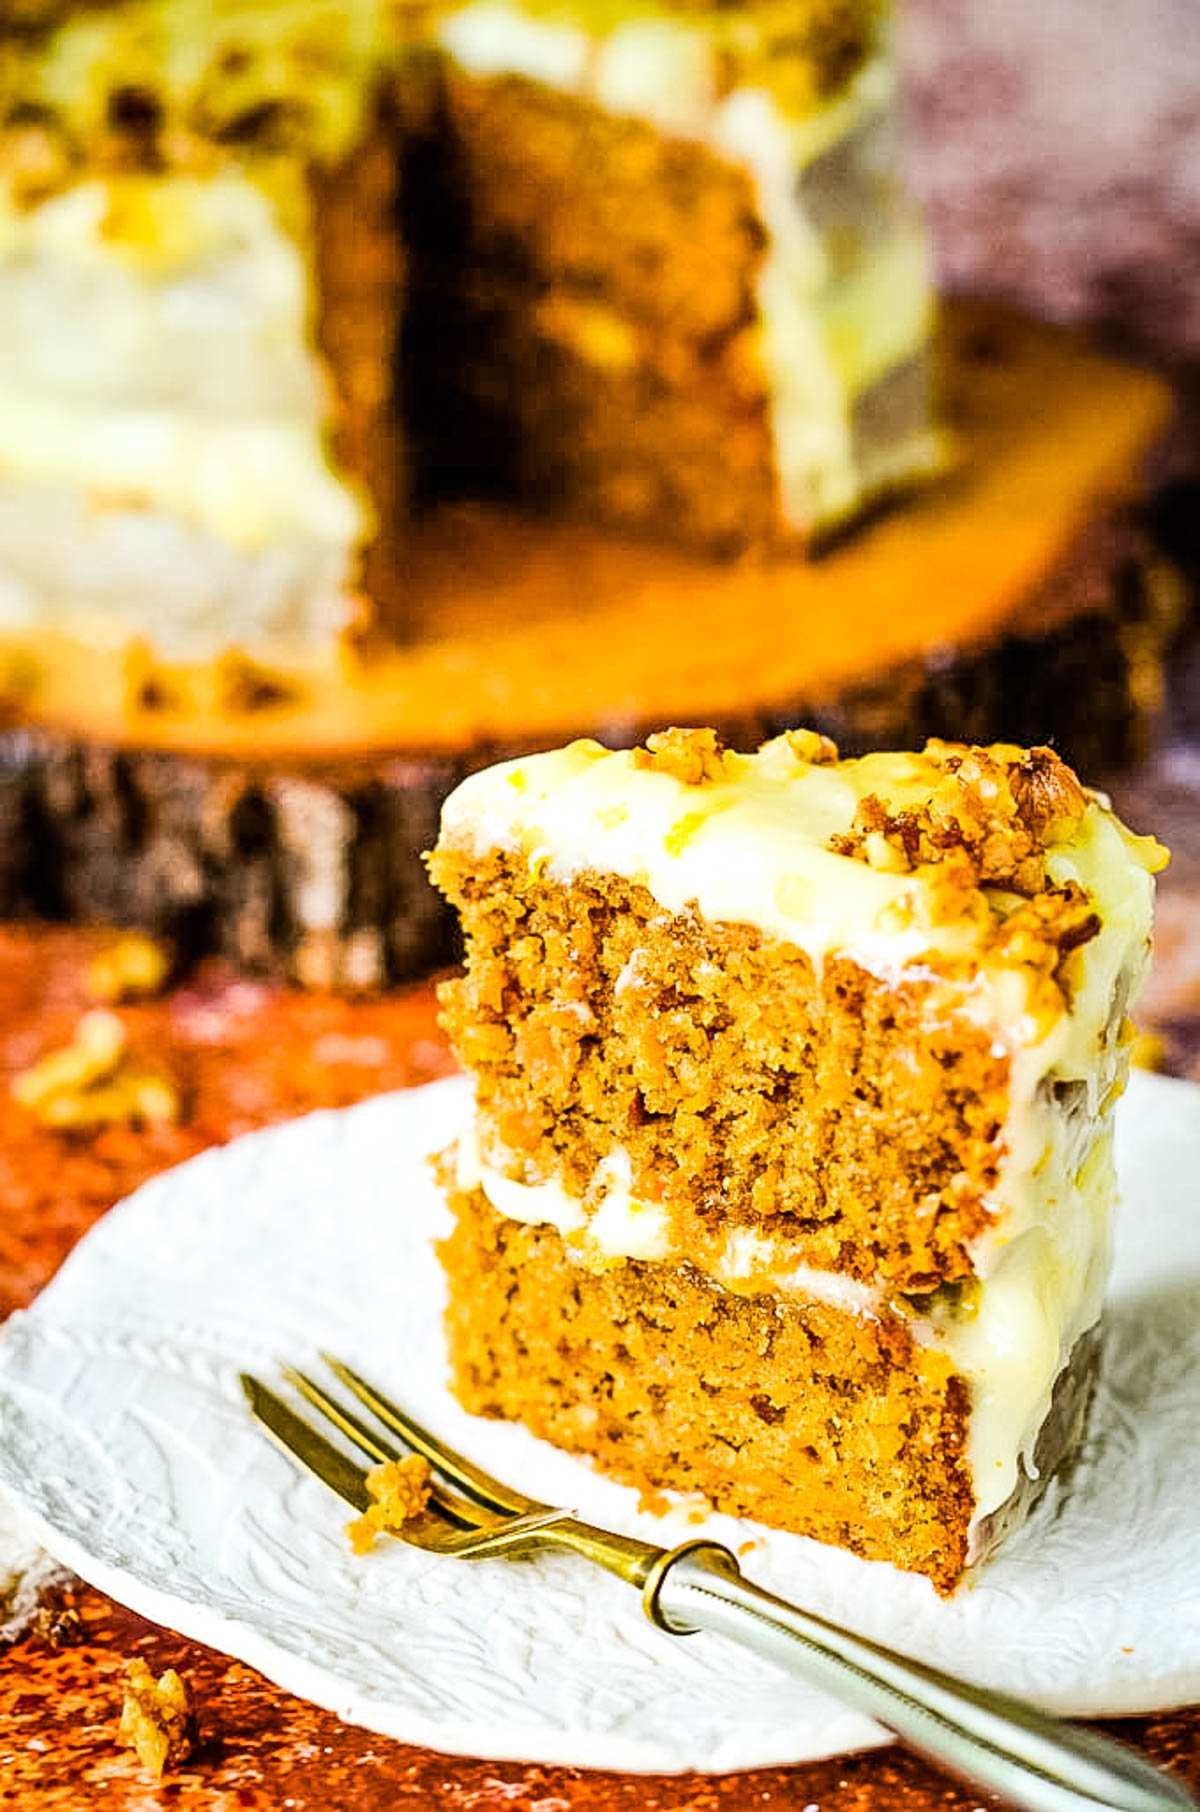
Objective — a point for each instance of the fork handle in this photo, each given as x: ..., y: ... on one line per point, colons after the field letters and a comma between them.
x: 987, y: 1738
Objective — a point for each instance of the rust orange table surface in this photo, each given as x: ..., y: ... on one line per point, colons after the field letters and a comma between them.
x: 244, y: 1055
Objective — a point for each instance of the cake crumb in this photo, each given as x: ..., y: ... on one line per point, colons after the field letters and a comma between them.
x: 691, y: 756
x: 157, y: 1719
x: 400, y: 1490
x: 653, y: 1503
x: 231, y: 686
x: 135, y: 967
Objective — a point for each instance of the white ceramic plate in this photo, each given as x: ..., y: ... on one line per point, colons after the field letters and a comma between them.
x: 125, y: 1435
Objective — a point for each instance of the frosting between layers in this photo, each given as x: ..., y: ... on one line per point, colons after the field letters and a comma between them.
x: 1009, y: 1338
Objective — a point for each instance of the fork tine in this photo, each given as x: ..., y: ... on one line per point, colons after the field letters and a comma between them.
x: 434, y: 1530
x: 471, y: 1479
x: 305, y: 1444
x: 364, y: 1437
x: 448, y: 1503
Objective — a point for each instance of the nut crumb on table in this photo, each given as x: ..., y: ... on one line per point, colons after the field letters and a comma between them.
x: 157, y: 1719
x: 133, y: 967
x: 94, y: 1081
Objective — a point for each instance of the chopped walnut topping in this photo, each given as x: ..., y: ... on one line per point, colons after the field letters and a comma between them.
x: 133, y: 968
x: 1063, y: 916
x: 952, y: 895
x: 94, y: 1082
x: 56, y: 1622
x: 1048, y: 795
x: 1000, y: 813
x: 810, y: 747
x: 400, y: 1489
x: 157, y: 1719
x: 1040, y: 936
x: 692, y: 756
x: 92, y: 1055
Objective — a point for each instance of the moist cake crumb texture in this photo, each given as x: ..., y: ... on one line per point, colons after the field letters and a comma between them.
x: 790, y: 1175
x: 399, y: 1491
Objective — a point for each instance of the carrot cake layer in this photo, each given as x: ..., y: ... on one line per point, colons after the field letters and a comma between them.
x: 825, y: 1034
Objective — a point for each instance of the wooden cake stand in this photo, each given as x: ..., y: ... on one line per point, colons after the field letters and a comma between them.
x: 277, y: 817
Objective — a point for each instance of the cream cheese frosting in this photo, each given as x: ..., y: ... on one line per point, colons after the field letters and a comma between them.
x: 162, y: 435
x: 753, y: 848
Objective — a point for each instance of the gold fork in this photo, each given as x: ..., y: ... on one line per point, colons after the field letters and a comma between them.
x: 986, y: 1738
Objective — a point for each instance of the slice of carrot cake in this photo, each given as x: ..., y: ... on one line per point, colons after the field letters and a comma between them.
x: 791, y: 1171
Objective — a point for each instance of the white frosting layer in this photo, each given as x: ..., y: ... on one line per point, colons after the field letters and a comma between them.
x: 826, y: 334
x: 173, y: 292
x: 249, y: 479
x: 105, y: 574
x: 159, y: 399
x: 752, y: 848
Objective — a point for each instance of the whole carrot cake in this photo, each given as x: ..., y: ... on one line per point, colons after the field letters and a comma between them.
x: 274, y: 275
x: 790, y: 1175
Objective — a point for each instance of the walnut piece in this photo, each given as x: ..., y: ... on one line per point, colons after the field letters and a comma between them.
x: 999, y: 808
x: 133, y: 968
x: 692, y: 756
x: 38, y: 162
x: 400, y: 1490
x: 94, y: 1082
x: 157, y: 1719
x: 1048, y: 796
x: 810, y: 747
x: 1040, y: 936
x: 56, y: 1622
